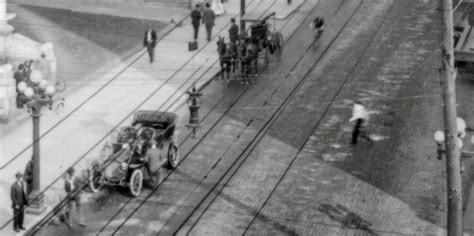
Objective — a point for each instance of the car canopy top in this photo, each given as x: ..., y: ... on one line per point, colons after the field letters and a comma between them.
x: 156, y: 119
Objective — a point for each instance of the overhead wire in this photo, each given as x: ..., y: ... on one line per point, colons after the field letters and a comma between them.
x: 94, y: 146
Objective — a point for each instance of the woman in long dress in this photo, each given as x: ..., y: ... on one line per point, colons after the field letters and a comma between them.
x: 217, y: 7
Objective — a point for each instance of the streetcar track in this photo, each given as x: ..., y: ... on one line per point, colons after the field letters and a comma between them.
x: 106, y: 85
x: 204, y: 136
x: 83, y: 103
x: 256, y: 140
x: 136, y: 108
x: 211, y: 110
x: 236, y: 100
x: 325, y: 111
x: 208, y: 132
x: 46, y: 219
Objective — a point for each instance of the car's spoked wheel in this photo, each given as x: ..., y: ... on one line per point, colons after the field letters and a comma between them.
x: 173, y: 156
x: 136, y: 182
x: 94, y: 180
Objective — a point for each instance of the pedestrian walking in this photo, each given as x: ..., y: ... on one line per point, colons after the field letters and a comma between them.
x: 150, y: 42
x: 71, y: 186
x: 208, y: 19
x: 233, y: 31
x: 196, y: 20
x: 19, y: 201
x: 361, y: 118
x: 28, y: 177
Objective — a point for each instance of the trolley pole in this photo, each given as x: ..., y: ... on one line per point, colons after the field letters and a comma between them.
x: 242, y: 13
x: 448, y: 76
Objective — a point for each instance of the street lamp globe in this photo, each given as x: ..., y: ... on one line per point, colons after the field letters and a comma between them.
x: 35, y: 76
x: 43, y: 84
x: 50, y: 90
x: 439, y: 136
x: 22, y: 86
x: 29, y: 92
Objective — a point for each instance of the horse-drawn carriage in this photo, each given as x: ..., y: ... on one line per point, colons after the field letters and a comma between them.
x: 258, y: 42
x: 128, y: 161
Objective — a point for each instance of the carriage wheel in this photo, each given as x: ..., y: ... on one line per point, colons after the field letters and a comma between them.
x: 60, y: 84
x: 173, y: 156
x: 95, y: 177
x: 136, y: 182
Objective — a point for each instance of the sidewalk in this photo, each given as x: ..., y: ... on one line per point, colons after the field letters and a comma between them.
x: 106, y: 8
x: 131, y: 85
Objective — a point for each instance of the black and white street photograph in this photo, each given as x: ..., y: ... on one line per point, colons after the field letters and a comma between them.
x: 236, y: 117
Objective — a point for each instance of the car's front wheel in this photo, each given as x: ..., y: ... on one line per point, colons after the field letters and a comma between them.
x: 95, y: 180
x: 136, y: 182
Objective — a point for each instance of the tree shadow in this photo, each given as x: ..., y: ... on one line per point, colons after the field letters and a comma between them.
x: 346, y: 217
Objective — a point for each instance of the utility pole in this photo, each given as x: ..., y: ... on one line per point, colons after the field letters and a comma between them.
x: 448, y: 76
x: 242, y: 13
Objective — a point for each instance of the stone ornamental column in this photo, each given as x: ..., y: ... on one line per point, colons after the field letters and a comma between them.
x: 5, y: 28
x: 7, y: 91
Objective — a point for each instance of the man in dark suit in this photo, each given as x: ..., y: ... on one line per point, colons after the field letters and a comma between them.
x: 208, y: 18
x: 233, y: 31
x: 19, y: 201
x: 196, y: 20
x: 150, y: 42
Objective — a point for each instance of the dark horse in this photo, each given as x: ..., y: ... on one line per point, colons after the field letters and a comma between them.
x: 227, y: 56
x: 248, y: 50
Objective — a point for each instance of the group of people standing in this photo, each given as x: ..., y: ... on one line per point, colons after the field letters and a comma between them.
x: 23, y: 186
x: 207, y: 16
x: 204, y: 12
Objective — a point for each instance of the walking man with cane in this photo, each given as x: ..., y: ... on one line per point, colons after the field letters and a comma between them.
x: 361, y: 118
x: 150, y: 42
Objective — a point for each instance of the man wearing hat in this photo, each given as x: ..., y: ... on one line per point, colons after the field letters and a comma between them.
x: 19, y: 200
x: 72, y: 187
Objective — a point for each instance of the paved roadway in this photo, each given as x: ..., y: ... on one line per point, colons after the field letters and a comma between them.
x: 274, y: 157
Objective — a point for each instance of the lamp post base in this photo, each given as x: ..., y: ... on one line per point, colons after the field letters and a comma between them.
x: 36, y: 206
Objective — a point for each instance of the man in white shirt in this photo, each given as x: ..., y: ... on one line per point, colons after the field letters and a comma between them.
x: 361, y: 118
x: 150, y: 42
x: 72, y: 185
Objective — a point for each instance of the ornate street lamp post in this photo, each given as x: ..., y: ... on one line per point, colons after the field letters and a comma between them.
x: 194, y: 104
x: 34, y: 94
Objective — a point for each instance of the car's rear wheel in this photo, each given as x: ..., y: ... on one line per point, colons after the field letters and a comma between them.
x: 136, y: 182
x: 173, y: 156
x: 95, y: 180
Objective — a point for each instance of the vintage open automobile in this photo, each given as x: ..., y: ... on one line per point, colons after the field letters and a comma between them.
x: 124, y: 163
